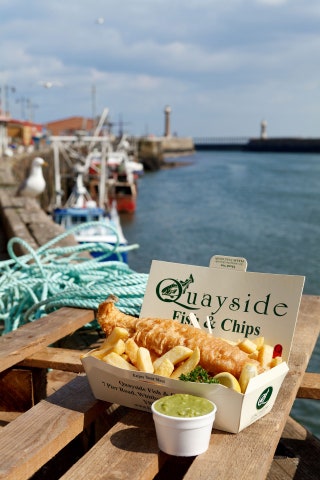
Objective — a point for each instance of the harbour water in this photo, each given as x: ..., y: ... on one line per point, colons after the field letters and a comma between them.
x: 260, y: 206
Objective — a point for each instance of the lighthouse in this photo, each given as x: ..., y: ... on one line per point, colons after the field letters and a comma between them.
x: 263, y: 130
x: 167, y: 112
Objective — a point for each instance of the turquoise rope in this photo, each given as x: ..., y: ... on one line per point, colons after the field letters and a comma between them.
x: 51, y: 277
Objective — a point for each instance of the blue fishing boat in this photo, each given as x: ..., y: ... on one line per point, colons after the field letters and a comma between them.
x: 92, y: 224
x: 96, y: 226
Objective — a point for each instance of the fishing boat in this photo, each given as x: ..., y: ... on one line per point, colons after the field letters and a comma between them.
x: 123, y: 155
x: 93, y: 223
x: 122, y: 182
x: 124, y: 195
x: 122, y: 179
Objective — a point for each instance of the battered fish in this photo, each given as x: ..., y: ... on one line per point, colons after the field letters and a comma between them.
x: 160, y: 335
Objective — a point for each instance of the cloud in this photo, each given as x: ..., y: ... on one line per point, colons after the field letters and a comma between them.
x: 236, y: 61
x: 272, y: 3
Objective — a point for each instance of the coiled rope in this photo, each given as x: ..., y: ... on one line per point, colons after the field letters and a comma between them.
x: 51, y: 277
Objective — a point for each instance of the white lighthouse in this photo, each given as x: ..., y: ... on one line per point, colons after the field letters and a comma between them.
x: 167, y: 112
x: 263, y: 130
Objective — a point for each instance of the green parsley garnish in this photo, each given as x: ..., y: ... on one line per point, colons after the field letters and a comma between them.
x: 199, y: 375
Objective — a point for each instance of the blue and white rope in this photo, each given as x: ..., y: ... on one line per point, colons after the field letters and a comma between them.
x: 52, y: 277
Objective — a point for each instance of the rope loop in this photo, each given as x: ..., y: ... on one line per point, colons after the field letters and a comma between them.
x: 51, y: 277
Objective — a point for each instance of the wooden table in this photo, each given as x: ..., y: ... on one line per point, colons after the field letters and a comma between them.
x: 90, y: 439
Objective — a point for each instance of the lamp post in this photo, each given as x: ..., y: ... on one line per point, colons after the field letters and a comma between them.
x: 5, y: 98
x: 93, y: 99
x: 23, y: 101
x: 30, y: 108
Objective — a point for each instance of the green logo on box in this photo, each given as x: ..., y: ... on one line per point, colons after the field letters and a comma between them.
x: 264, y: 398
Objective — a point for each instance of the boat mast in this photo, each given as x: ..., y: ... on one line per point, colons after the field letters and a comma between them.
x: 102, y: 186
x: 57, y: 176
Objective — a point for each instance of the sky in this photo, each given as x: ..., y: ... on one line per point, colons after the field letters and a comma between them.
x: 223, y: 66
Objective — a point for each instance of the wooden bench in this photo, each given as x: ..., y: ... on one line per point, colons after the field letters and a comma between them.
x: 70, y: 435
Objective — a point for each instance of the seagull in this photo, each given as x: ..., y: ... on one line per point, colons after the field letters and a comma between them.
x: 35, y: 183
x: 49, y: 84
x: 100, y: 21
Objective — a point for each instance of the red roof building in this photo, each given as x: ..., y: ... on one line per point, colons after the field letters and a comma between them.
x: 70, y: 125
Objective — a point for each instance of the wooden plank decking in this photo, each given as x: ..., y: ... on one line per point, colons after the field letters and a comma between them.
x: 71, y: 435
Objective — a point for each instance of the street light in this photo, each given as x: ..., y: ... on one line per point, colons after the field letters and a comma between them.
x: 22, y: 101
x: 93, y: 100
x: 4, y: 92
x: 31, y: 108
x: 50, y: 84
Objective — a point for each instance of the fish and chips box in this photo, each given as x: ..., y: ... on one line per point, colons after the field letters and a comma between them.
x: 228, y: 302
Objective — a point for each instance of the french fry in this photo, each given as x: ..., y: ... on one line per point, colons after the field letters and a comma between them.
x: 249, y: 371
x: 254, y: 355
x: 119, y: 348
x: 176, y: 355
x: 276, y: 361
x: 117, y: 361
x: 144, y: 363
x: 116, y: 334
x: 259, y: 342
x: 132, y: 350
x: 247, y: 346
x: 165, y: 368
x: 99, y: 353
x: 265, y: 355
x: 188, y: 365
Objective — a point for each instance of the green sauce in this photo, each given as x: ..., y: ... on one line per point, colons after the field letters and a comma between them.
x: 183, y: 405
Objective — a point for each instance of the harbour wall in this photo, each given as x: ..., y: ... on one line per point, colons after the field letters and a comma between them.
x: 286, y: 145
x: 276, y: 144
x: 153, y: 151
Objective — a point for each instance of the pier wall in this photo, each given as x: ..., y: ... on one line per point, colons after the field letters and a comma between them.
x: 281, y: 144
x: 286, y: 145
x: 152, y: 151
x: 220, y: 143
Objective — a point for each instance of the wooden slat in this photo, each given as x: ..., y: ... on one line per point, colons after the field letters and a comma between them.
x: 310, y: 386
x: 128, y: 450
x: 32, y: 337
x: 297, y: 455
x: 22, y: 388
x: 16, y: 388
x: 57, y: 358
x: 12, y: 224
x: 24, y: 218
x: 36, y: 436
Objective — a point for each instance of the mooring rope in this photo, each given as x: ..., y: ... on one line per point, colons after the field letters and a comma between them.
x: 51, y: 277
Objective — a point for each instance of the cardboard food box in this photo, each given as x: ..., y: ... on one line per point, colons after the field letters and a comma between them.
x: 230, y: 303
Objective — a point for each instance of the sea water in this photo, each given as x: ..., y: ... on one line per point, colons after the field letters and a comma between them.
x: 264, y: 207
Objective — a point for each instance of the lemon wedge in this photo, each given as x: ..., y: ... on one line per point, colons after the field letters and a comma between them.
x: 228, y: 380
x: 249, y: 371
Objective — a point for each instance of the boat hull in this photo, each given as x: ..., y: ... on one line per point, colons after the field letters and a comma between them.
x: 107, y: 232
x: 124, y: 195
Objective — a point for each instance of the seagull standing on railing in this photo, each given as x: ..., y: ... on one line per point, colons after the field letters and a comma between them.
x: 35, y: 183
